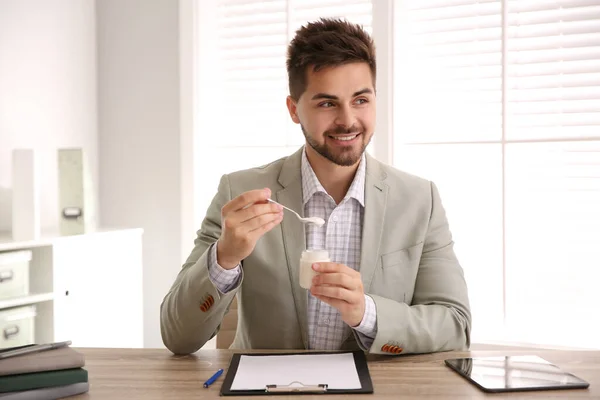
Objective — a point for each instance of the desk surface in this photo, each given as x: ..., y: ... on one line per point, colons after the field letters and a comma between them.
x: 151, y: 374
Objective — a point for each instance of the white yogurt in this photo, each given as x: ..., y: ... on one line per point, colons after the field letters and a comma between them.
x: 307, y: 259
x: 314, y: 220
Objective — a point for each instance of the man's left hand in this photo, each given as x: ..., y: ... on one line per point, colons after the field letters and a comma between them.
x: 341, y: 287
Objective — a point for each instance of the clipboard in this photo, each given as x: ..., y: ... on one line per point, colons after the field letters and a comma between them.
x: 297, y: 387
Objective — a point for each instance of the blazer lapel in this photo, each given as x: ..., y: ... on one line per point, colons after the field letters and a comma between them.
x: 376, y: 194
x: 294, y: 238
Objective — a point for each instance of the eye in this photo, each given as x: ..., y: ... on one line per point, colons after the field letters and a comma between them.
x: 326, y: 104
x: 361, y: 100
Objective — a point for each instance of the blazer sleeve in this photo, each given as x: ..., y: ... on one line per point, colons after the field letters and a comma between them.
x: 439, y: 318
x: 192, y: 310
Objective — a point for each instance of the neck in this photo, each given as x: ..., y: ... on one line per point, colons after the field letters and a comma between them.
x: 335, y: 179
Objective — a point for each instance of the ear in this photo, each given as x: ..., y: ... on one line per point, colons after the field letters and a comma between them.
x: 293, y: 109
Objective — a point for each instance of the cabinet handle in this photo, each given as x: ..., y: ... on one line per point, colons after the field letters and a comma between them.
x: 72, y: 212
x: 6, y: 276
x: 11, y: 331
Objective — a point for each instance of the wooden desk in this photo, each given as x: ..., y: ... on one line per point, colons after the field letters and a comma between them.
x: 151, y: 374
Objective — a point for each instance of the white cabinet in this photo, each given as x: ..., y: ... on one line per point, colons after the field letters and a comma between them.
x: 86, y: 288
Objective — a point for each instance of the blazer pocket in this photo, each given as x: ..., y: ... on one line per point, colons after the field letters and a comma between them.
x: 398, y: 273
x: 402, y: 256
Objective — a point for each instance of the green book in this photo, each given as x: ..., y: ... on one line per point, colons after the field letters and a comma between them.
x: 46, y: 379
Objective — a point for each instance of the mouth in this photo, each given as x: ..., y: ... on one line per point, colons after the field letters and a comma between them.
x: 344, y: 140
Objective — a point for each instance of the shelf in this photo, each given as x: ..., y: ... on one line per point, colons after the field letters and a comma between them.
x: 25, y: 300
x: 7, y: 243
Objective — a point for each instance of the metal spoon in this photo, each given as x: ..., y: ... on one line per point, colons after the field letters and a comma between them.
x: 309, y: 220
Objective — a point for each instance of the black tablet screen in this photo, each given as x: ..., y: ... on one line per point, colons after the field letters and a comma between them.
x: 514, y: 373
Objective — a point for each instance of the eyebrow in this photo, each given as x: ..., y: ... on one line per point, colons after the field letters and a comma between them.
x: 319, y: 96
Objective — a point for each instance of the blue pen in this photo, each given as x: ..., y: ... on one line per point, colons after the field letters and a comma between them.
x: 213, y: 378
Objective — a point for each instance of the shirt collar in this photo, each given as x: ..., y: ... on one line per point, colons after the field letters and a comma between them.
x: 311, y: 184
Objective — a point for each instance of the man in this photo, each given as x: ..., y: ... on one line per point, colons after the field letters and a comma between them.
x: 394, y: 284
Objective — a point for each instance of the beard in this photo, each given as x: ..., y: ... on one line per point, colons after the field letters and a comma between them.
x: 342, y: 156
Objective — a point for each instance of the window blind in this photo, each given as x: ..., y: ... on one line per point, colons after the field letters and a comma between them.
x: 552, y: 235
x: 553, y: 189
x: 448, y: 65
x: 533, y: 173
x: 448, y: 90
x: 252, y: 42
x: 357, y: 11
x: 553, y: 65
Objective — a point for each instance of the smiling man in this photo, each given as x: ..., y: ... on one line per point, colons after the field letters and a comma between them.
x: 394, y: 284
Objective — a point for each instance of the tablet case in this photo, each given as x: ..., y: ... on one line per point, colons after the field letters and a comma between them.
x: 581, y: 384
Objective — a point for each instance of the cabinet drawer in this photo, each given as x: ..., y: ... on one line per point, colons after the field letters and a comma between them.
x: 14, y: 273
x: 17, y: 326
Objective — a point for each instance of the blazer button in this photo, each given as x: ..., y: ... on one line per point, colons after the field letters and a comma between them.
x: 208, y: 302
x: 385, y: 347
x: 397, y: 350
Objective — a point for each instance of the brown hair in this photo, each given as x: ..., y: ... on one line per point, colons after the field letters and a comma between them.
x: 326, y: 43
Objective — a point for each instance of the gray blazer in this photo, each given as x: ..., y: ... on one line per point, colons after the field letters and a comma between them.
x: 408, y: 267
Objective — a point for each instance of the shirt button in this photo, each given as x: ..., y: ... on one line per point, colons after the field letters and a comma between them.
x: 325, y: 321
x: 334, y: 219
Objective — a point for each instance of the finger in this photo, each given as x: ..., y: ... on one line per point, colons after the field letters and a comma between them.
x: 330, y: 267
x: 335, y: 303
x: 256, y: 210
x: 336, y: 279
x: 334, y: 292
x: 261, y: 230
x: 245, y: 199
x: 258, y: 221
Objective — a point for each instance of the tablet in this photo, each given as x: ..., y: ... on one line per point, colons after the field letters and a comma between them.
x: 514, y: 374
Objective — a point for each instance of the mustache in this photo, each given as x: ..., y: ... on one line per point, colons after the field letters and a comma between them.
x: 340, y: 130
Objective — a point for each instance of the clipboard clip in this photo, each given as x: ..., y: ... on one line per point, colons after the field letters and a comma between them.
x: 296, y: 386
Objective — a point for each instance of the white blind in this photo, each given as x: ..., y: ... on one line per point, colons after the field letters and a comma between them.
x: 448, y: 65
x: 251, y: 37
x: 553, y: 64
x: 252, y: 42
x: 357, y: 11
x: 448, y: 89
x: 529, y: 199
x: 553, y: 189
x: 552, y: 242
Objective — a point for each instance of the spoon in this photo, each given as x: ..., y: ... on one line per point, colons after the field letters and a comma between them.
x: 309, y: 220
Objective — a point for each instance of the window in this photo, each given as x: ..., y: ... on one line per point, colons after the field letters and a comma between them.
x: 252, y: 39
x: 498, y: 102
x: 242, y: 118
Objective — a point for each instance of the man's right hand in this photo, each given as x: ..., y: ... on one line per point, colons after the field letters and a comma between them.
x: 244, y: 220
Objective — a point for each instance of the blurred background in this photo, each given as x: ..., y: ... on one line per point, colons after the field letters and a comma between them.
x: 496, y: 101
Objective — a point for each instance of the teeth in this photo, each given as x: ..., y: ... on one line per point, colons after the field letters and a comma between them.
x: 345, y: 138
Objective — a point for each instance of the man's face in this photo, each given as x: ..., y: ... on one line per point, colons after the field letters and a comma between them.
x: 337, y: 112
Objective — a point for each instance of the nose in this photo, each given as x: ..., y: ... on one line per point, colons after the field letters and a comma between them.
x: 345, y: 117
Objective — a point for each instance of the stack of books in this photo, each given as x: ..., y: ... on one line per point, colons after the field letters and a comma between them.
x: 45, y: 372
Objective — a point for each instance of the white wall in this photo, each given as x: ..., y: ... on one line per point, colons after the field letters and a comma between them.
x: 139, y: 137
x: 47, y: 91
